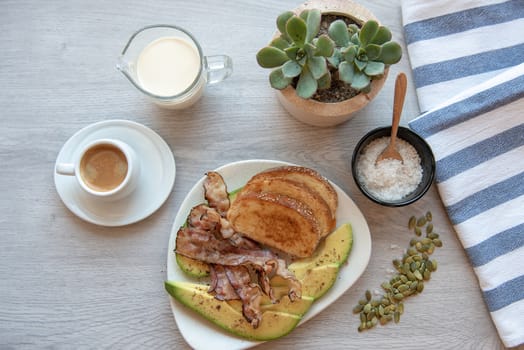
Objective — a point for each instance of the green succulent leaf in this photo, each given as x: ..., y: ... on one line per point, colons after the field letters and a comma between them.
x: 325, y: 81
x: 282, y: 20
x: 338, y: 31
x: 373, y: 51
x: 278, y: 80
x: 325, y: 46
x: 351, y: 53
x: 291, y: 69
x: 383, y: 35
x: 391, y: 53
x: 374, y: 68
x: 361, y: 54
x: 271, y: 57
x: 292, y: 52
x: 313, y: 24
x: 317, y: 66
x: 310, y: 49
x: 296, y: 29
x: 304, y: 14
x: 360, y: 64
x: 354, y: 39
x: 307, y: 85
x: 346, y: 72
x: 368, y: 32
x: 360, y: 81
x: 280, y: 43
x: 336, y: 58
x: 352, y: 29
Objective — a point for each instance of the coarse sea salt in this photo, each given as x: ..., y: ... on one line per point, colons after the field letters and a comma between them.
x: 389, y: 179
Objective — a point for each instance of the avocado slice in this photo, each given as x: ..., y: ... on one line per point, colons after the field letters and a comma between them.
x: 228, y: 315
x: 317, y: 275
x: 192, y: 267
x: 334, y: 249
x: 315, y: 281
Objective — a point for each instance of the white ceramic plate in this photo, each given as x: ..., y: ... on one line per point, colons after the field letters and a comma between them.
x: 157, y: 175
x: 202, y: 334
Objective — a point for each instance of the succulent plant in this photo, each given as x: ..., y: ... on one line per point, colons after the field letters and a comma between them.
x: 362, y: 54
x: 298, y: 52
x: 349, y: 53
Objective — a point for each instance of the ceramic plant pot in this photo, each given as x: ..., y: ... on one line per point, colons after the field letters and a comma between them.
x: 322, y: 114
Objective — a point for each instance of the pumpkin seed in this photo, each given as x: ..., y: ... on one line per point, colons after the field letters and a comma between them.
x: 413, y: 286
x: 433, y: 235
x: 357, y: 309
x: 370, y: 316
x: 367, y: 308
x: 434, y: 264
x: 412, y: 222
x: 413, y: 269
x: 396, y: 316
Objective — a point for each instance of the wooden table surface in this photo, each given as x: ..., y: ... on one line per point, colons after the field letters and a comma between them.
x: 69, y: 284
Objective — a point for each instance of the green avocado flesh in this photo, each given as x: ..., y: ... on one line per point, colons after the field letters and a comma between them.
x: 228, y: 315
x: 317, y: 274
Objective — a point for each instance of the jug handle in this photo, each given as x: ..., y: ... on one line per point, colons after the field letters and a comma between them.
x: 218, y: 68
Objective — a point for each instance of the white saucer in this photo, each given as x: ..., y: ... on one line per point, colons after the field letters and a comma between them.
x: 157, y: 175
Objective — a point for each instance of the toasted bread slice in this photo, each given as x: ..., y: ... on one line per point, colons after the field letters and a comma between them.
x: 277, y: 221
x: 282, y: 186
x: 308, y: 177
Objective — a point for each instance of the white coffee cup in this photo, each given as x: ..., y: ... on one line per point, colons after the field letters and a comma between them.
x: 106, y: 169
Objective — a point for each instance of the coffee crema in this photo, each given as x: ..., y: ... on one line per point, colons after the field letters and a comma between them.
x: 103, y: 167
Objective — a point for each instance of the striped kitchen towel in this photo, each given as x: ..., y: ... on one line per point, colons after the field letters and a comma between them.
x: 454, y: 45
x: 473, y: 96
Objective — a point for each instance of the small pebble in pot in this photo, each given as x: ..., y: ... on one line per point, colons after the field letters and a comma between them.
x: 389, y: 179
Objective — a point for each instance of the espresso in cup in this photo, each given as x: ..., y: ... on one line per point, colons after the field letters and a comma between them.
x: 106, y: 169
x: 103, y: 167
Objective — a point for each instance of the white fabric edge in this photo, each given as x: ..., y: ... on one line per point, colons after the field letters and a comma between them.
x: 499, y: 271
x: 484, y: 225
x: 509, y: 323
x: 482, y: 176
x: 415, y: 10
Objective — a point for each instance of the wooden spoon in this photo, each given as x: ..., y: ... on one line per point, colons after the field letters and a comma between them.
x: 400, y: 93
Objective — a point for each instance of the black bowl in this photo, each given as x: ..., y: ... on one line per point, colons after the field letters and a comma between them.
x: 427, y: 160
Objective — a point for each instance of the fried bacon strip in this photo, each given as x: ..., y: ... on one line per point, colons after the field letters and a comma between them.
x: 215, y: 192
x: 209, y: 237
x: 249, y: 293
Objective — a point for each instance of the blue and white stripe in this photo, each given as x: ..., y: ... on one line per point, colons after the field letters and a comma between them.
x: 475, y: 124
x: 454, y: 45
